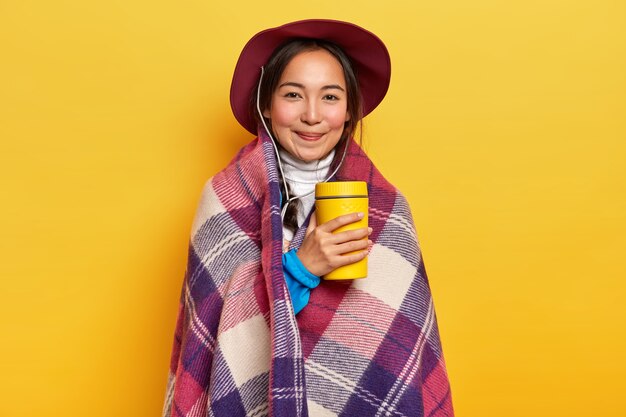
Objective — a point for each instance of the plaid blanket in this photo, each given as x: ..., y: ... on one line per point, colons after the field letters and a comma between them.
x: 367, y: 347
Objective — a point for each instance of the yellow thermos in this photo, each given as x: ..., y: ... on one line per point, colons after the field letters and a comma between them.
x: 333, y: 199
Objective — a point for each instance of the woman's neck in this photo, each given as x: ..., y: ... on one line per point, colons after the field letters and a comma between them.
x: 299, y: 172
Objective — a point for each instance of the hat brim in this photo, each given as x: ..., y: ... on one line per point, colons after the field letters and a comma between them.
x: 366, y: 51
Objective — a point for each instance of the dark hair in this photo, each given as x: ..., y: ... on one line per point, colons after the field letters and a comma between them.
x: 274, y: 69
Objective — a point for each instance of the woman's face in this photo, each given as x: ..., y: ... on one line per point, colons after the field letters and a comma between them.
x: 309, y: 108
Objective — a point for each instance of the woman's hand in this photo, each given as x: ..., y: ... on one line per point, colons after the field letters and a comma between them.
x: 322, y: 251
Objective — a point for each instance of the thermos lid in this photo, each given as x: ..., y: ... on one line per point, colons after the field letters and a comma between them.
x: 341, y: 189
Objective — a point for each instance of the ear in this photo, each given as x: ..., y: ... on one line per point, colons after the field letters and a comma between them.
x: 347, y: 116
x: 266, y: 113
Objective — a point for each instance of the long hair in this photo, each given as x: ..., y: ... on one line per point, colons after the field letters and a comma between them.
x: 274, y: 69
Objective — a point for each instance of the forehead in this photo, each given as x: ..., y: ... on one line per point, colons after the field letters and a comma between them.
x: 316, y: 66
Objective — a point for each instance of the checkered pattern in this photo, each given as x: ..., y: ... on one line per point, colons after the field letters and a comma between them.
x: 364, y: 348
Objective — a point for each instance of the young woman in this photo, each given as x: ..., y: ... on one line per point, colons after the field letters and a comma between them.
x: 356, y: 348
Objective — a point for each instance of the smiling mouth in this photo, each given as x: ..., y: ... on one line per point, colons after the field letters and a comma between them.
x: 309, y: 136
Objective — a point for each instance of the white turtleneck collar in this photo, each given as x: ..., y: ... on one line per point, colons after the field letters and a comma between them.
x: 298, y: 171
x: 302, y: 177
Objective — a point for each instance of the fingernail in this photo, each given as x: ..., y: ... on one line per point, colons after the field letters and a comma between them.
x: 360, y: 215
x: 370, y: 242
x: 370, y: 230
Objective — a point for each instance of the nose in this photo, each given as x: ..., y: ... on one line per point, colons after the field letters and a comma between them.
x: 311, y: 114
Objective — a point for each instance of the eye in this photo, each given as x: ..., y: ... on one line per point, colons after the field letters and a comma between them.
x: 291, y: 94
x: 330, y: 97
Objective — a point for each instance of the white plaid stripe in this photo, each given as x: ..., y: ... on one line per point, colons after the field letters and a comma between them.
x: 398, y: 273
x: 317, y: 410
x: 209, y: 205
x: 246, y: 349
x: 169, y: 395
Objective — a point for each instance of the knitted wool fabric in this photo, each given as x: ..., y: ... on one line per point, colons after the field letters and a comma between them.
x: 367, y: 347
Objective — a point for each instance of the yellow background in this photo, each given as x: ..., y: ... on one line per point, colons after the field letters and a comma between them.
x: 505, y: 126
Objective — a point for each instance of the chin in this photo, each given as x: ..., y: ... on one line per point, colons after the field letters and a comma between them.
x: 311, y: 156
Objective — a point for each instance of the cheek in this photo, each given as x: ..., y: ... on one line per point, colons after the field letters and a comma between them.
x: 283, y: 115
x: 337, y: 119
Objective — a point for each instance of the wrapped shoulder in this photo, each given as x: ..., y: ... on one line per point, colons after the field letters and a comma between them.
x: 209, y: 206
x: 402, y: 216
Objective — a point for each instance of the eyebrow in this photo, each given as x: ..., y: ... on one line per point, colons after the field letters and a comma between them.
x: 298, y: 85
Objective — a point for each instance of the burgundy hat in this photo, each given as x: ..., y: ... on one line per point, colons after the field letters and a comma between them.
x: 366, y: 51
